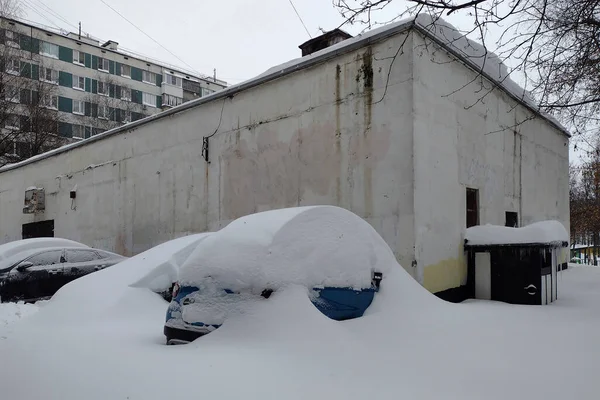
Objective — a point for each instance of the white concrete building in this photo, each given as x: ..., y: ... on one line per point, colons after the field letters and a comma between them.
x: 392, y: 125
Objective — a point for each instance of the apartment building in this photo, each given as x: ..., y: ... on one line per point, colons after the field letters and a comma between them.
x: 94, y: 85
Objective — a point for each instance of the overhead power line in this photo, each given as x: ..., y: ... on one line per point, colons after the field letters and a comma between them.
x: 40, y: 8
x: 150, y: 37
x: 35, y: 10
x: 300, y: 18
x: 55, y: 14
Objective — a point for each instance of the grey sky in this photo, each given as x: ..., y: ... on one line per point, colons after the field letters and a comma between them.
x: 239, y: 38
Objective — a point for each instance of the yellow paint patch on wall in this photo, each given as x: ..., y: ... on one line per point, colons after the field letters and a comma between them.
x: 448, y: 273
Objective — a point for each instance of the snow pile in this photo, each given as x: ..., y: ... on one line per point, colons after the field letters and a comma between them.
x: 166, y: 273
x: 114, y: 288
x: 11, y: 313
x: 544, y: 232
x: 406, y: 346
x: 309, y: 246
x: 11, y: 248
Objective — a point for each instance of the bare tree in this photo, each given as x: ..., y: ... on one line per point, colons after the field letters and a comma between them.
x: 555, y: 45
x: 113, y: 104
x: 29, y: 119
x: 11, y: 8
x: 584, y: 196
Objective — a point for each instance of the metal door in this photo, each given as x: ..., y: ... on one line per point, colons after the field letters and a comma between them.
x: 516, y: 275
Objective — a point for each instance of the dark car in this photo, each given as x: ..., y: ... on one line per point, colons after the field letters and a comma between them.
x: 38, y: 274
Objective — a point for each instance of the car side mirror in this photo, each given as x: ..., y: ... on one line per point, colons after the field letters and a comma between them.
x: 24, y: 266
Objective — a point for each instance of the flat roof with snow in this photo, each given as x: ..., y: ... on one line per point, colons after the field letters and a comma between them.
x: 543, y: 234
x: 311, y: 246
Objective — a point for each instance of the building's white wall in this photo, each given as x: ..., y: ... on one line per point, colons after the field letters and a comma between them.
x: 323, y: 135
x: 472, y: 138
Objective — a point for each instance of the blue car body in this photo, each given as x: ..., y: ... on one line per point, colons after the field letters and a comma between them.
x: 336, y: 303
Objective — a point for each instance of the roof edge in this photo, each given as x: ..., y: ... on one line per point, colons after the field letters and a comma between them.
x: 305, y: 62
x: 228, y: 92
x: 557, y: 244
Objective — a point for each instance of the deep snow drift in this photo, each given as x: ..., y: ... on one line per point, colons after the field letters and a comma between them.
x: 99, y: 338
x: 12, y: 313
x: 310, y: 246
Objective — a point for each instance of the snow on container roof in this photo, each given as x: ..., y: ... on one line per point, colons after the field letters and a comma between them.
x: 551, y: 233
x: 310, y: 246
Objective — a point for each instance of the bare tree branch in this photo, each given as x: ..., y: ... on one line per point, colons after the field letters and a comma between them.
x: 554, y: 45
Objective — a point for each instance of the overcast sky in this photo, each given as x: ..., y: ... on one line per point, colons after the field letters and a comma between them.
x: 240, y: 38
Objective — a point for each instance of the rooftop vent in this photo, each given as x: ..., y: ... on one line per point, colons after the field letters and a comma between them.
x: 111, y: 45
x: 83, y: 38
x: 322, y: 42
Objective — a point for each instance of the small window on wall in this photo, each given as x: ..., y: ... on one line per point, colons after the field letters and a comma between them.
x: 472, y: 207
x: 125, y: 70
x: 103, y: 64
x: 512, y: 219
x: 78, y: 57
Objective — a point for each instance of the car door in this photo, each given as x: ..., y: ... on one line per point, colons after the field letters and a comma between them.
x: 81, y: 262
x: 41, y: 277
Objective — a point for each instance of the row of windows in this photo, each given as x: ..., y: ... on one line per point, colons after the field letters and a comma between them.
x: 79, y: 83
x: 15, y: 67
x: 103, y: 64
x: 16, y: 148
x: 169, y: 100
x: 26, y: 96
x: 85, y: 131
x: 16, y: 122
x: 104, y: 111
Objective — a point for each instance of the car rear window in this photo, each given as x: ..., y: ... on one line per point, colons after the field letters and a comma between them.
x: 77, y: 256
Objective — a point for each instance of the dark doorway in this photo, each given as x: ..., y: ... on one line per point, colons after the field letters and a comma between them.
x: 38, y: 229
x: 512, y: 219
x: 472, y: 207
x: 516, y: 275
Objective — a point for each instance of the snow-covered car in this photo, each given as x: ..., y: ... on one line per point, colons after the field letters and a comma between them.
x: 36, y: 274
x: 335, y: 255
x: 164, y: 262
x: 10, y: 249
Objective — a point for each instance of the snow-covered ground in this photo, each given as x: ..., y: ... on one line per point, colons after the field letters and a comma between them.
x: 11, y: 313
x: 409, y: 345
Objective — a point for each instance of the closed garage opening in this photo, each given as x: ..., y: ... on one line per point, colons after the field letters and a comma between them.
x: 38, y: 229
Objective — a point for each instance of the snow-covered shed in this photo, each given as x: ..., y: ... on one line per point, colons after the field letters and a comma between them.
x: 392, y: 125
x: 516, y: 265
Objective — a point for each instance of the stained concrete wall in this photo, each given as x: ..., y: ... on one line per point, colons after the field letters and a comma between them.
x: 469, y: 137
x: 336, y: 133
